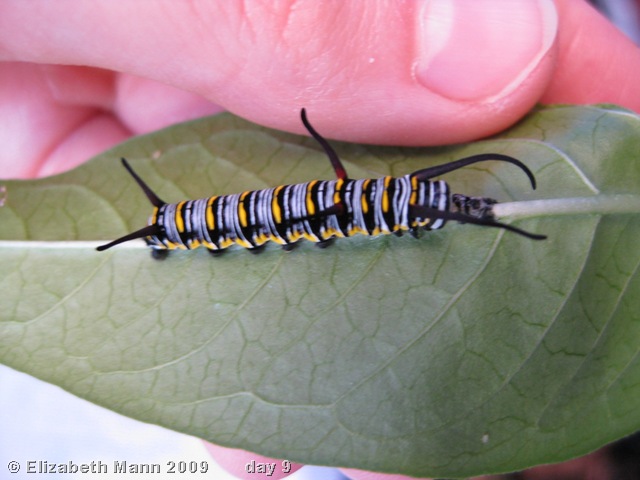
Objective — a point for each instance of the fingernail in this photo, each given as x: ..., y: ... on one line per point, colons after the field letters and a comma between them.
x: 481, y: 49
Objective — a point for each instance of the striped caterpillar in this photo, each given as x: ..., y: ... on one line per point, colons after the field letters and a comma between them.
x: 319, y: 210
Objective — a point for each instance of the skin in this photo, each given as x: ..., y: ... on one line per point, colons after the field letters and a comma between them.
x: 78, y: 77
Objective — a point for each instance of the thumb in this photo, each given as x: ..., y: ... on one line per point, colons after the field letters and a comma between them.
x: 403, y: 73
x: 408, y: 73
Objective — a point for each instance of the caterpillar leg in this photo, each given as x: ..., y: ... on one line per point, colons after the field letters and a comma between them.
x: 325, y: 243
x: 159, y: 254
x: 341, y: 172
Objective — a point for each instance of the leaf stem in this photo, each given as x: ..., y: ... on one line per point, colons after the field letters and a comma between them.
x: 598, y: 204
x: 60, y: 245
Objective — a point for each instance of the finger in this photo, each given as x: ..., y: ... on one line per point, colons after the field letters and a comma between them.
x: 140, y: 104
x: 248, y: 465
x: 144, y: 105
x: 53, y: 118
x: 596, y: 62
x: 40, y: 133
x: 379, y: 72
x: 364, y: 475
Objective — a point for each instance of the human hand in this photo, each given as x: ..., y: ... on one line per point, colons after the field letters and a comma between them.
x: 366, y: 74
x: 403, y: 74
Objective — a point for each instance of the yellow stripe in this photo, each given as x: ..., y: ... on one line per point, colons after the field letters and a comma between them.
x: 227, y: 242
x: 242, y: 212
x: 294, y: 236
x: 385, y: 195
x: 414, y: 191
x: 363, y: 198
x: 209, y: 214
x: 275, y: 206
x: 261, y: 239
x: 179, y: 219
x: 311, y: 206
x: 336, y: 194
x: 243, y: 243
x: 311, y: 238
x: 277, y: 240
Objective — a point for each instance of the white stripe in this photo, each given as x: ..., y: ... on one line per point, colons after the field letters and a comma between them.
x: 169, y: 223
x: 377, y: 203
x: 199, y: 220
x: 402, y: 207
x: 356, y: 205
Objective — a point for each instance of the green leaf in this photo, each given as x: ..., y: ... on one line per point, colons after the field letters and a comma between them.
x: 471, y: 350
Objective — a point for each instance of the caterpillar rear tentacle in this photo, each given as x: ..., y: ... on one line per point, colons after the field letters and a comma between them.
x: 319, y: 210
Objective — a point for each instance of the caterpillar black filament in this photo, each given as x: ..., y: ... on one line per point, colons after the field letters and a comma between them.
x: 318, y: 210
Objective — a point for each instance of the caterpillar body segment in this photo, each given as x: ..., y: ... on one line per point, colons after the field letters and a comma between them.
x: 319, y: 210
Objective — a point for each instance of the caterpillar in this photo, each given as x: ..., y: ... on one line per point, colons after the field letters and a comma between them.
x: 319, y: 210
